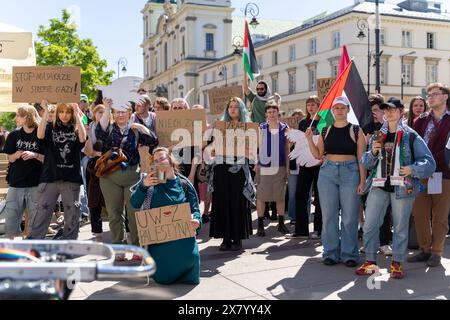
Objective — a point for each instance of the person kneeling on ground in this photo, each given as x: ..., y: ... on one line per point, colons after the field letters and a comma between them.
x: 177, y: 261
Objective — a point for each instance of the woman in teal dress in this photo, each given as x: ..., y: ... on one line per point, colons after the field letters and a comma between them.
x: 176, y: 261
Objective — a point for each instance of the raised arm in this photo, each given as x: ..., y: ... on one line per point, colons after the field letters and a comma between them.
x: 245, y: 86
x: 361, y: 149
x: 43, y: 123
x: 104, y: 121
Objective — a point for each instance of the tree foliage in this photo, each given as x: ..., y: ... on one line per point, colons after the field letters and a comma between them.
x: 59, y: 44
x: 7, y: 120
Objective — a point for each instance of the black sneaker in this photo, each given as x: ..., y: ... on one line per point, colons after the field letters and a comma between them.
x: 434, y: 261
x: 351, y: 263
x: 329, y: 262
x: 236, y: 246
x: 420, y: 257
x: 226, y: 245
x: 296, y: 236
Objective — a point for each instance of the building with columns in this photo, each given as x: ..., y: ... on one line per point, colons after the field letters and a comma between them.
x: 413, y: 31
x: 182, y: 36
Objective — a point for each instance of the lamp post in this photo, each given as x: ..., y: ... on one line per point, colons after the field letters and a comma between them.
x: 252, y: 9
x: 223, y: 72
x: 377, y: 47
x: 402, y: 58
x: 123, y: 62
x: 363, y: 25
x: 238, y: 43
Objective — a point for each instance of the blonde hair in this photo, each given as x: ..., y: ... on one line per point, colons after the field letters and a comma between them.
x: 30, y: 114
x: 170, y: 156
x: 59, y: 108
x: 180, y: 100
x: 97, y: 109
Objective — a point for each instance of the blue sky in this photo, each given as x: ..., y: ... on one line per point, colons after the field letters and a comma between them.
x: 115, y: 26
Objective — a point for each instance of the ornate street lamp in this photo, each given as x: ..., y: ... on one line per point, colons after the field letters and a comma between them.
x: 123, y: 62
x: 252, y: 9
x: 238, y: 43
x: 363, y: 25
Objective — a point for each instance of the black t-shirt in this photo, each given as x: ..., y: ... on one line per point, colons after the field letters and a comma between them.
x: 389, y: 148
x: 62, y: 149
x: 372, y: 127
x: 23, y: 174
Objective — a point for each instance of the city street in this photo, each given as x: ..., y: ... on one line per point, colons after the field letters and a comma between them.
x: 276, y: 268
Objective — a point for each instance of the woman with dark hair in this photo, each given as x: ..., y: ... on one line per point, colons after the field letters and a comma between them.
x: 417, y: 107
x: 231, y: 207
x: 307, y: 178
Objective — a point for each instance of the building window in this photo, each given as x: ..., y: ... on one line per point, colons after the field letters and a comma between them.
x: 312, y: 46
x: 205, y: 99
x: 165, y: 56
x: 274, y: 58
x: 383, y: 73
x: 260, y: 62
x: 335, y: 69
x: 183, y: 47
x: 312, y: 79
x: 432, y: 76
x: 274, y: 79
x: 292, y: 75
x: 292, y: 53
x: 431, y: 40
x: 205, y: 78
x: 235, y: 70
x: 210, y: 42
x: 336, y: 40
x: 383, y: 36
x: 407, y: 74
x: 406, y: 39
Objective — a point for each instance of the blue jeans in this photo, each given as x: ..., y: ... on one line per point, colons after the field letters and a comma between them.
x: 377, y: 202
x: 292, y: 187
x: 338, y: 183
x: 17, y: 200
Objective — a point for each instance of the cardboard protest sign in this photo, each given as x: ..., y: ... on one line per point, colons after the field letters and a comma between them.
x: 234, y: 139
x: 164, y: 224
x: 181, y: 127
x: 145, y: 159
x: 292, y: 122
x: 219, y: 97
x: 121, y: 91
x: 55, y: 84
x: 323, y: 86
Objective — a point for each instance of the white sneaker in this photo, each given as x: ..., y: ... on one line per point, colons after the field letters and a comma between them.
x: 314, y: 235
x: 386, y: 250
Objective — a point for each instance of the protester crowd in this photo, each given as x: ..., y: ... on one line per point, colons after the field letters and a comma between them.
x: 368, y: 181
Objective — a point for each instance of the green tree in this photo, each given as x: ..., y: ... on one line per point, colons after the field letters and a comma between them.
x: 7, y: 120
x: 59, y: 44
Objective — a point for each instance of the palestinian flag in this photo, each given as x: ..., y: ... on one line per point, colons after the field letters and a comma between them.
x: 348, y: 84
x: 345, y: 60
x: 250, y: 64
x: 84, y: 118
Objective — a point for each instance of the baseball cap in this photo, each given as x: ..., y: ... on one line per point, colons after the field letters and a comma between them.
x: 392, y: 103
x: 341, y: 100
x: 84, y: 97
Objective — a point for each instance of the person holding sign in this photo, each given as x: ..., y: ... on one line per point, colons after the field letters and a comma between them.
x: 398, y: 158
x: 177, y: 261
x: 432, y: 206
x: 25, y: 158
x: 232, y: 189
x: 272, y: 169
x: 341, y: 181
x: 121, y: 137
x: 62, y: 142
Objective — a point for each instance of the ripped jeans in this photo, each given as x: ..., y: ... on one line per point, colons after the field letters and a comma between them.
x: 48, y: 195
